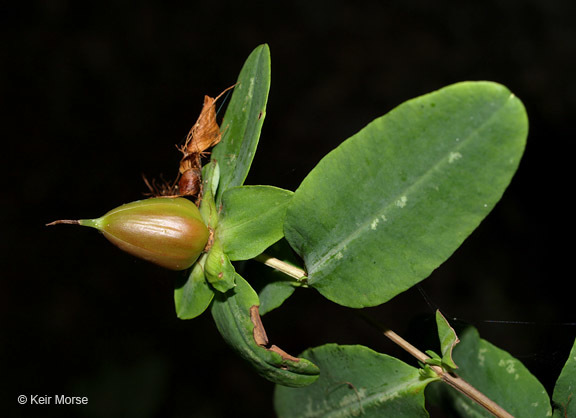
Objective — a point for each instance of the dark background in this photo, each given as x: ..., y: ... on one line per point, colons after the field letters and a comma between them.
x: 95, y: 94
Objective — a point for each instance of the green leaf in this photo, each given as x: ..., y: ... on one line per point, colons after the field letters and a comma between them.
x: 193, y: 295
x: 499, y: 376
x: 380, y: 212
x: 434, y: 360
x: 448, y: 340
x: 208, y: 210
x: 236, y: 316
x: 273, y: 286
x: 243, y: 121
x: 210, y: 177
x: 355, y: 381
x: 252, y: 219
x: 273, y: 295
x: 565, y: 389
x: 219, y: 271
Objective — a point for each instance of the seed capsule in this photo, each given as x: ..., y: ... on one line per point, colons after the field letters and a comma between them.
x: 169, y: 232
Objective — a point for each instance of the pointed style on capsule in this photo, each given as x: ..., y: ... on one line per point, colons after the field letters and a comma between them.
x: 169, y: 232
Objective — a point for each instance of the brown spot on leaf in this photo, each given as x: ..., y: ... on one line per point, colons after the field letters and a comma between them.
x: 261, y: 338
x: 283, y: 353
x: 259, y: 332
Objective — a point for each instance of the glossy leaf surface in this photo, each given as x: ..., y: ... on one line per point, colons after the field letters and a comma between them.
x: 380, y: 212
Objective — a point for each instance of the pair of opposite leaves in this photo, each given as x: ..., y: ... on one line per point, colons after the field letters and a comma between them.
x: 270, y: 361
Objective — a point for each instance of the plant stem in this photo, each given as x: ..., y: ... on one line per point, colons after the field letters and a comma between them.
x: 470, y: 391
x: 64, y: 221
x: 288, y: 269
x: 449, y: 378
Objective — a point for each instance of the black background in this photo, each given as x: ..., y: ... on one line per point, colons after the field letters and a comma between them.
x: 95, y: 94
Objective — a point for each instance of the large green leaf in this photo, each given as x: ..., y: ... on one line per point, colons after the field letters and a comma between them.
x: 252, y: 219
x: 565, y: 389
x: 235, y: 314
x: 243, y: 120
x: 499, y: 376
x: 355, y: 381
x: 384, y: 209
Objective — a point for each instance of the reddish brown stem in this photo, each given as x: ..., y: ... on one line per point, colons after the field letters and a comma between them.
x: 64, y: 221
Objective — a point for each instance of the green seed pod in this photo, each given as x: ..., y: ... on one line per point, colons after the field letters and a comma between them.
x: 169, y: 232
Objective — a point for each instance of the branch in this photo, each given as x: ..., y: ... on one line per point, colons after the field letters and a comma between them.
x: 282, y: 266
x: 450, y: 378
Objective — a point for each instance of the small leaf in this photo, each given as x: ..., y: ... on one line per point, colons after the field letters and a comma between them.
x: 273, y: 295
x: 211, y: 176
x: 499, y: 376
x: 355, y: 381
x: 208, y: 210
x: 273, y: 286
x: 243, y: 121
x: 236, y: 316
x: 448, y: 340
x: 427, y: 373
x: 564, y: 396
x: 433, y: 355
x: 252, y: 219
x: 380, y: 212
x: 219, y: 271
x: 193, y: 296
x: 434, y: 360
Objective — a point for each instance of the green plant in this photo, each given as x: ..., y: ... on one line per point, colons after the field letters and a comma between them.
x: 376, y: 216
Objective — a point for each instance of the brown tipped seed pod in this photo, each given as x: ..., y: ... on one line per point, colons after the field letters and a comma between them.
x: 165, y: 231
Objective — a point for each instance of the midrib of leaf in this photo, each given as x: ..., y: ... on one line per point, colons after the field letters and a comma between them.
x: 272, y: 210
x: 248, y: 154
x: 406, y: 192
x: 241, y: 125
x: 237, y: 225
x: 357, y: 404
